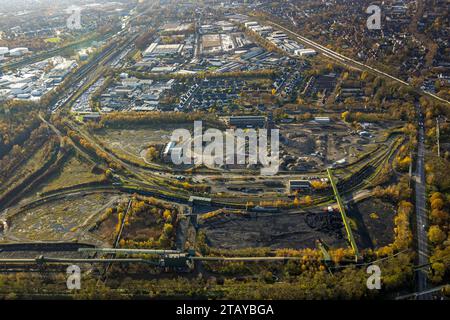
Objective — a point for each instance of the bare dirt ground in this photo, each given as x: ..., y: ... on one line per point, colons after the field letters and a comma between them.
x: 132, y: 142
x: 277, y: 230
x: 64, y: 219
x: 322, y: 144
x: 376, y: 220
x: 373, y: 219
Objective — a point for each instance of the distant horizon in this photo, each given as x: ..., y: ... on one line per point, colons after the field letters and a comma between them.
x: 224, y: 150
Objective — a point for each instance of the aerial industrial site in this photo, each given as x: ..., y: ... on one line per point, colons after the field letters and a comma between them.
x: 254, y: 150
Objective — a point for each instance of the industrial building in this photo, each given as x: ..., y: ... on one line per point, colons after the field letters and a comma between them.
x: 305, y: 52
x: 17, y: 52
x: 94, y: 116
x: 161, y: 50
x: 3, y: 51
x: 299, y: 185
x: 322, y: 119
x: 34, y: 80
x: 168, y: 151
x: 247, y: 121
x: 280, y: 39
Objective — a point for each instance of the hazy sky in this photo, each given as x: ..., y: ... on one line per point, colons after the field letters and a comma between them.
x: 23, y: 5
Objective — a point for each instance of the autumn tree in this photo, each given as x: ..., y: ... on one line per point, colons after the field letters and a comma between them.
x: 152, y: 153
x: 345, y: 116
x: 436, y: 235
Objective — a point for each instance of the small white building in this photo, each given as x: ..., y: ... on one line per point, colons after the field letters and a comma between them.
x: 250, y: 23
x: 167, y: 150
x: 23, y: 96
x: 19, y: 88
x: 36, y: 93
x: 3, y: 51
x: 305, y: 52
x: 322, y: 119
x: 17, y: 52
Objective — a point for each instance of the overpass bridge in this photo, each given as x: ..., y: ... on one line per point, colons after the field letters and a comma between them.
x: 345, y: 220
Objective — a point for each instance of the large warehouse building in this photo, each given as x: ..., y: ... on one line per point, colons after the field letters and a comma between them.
x: 159, y: 50
x: 247, y: 121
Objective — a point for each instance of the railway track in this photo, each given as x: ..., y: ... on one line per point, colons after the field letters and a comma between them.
x: 75, y: 191
x: 352, y: 62
x: 350, y: 185
x: 50, y: 53
x: 78, y: 80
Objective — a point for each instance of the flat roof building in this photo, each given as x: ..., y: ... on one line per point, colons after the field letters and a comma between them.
x: 157, y: 50
x: 94, y: 116
x: 322, y: 119
x: 247, y: 121
x: 167, y: 150
x: 305, y: 52
x: 16, y: 52
x: 299, y: 185
x: 251, y: 23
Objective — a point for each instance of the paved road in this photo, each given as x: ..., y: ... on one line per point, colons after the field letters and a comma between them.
x: 420, y: 294
x: 421, y: 214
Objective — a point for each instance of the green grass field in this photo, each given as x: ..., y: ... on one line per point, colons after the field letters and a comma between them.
x: 53, y: 40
